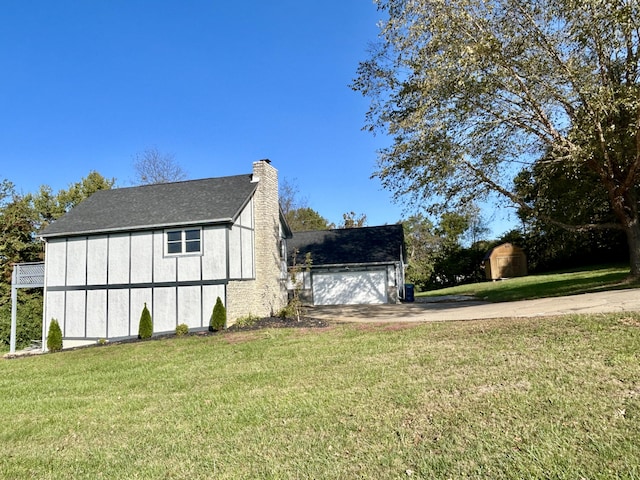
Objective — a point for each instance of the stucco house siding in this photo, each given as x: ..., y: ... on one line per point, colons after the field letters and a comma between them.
x: 98, y: 288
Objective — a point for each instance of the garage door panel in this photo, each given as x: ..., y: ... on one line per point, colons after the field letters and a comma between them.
x: 350, y: 288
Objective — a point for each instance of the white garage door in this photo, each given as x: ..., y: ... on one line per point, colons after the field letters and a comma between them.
x: 350, y: 288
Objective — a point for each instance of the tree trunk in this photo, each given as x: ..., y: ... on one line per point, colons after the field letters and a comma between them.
x: 633, y: 239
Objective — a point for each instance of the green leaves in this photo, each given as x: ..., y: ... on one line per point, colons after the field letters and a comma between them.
x: 491, y: 83
x: 473, y: 91
x: 305, y: 218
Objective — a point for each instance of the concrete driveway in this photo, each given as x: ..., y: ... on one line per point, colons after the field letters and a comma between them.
x: 438, y: 309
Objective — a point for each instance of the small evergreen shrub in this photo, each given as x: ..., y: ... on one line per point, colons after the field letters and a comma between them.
x: 182, y: 330
x: 145, y: 329
x: 219, y: 317
x: 54, y: 338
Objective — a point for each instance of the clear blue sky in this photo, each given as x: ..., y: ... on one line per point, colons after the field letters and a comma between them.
x: 86, y: 85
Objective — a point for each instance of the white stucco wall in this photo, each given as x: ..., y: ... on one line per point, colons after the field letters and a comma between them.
x: 76, y: 269
x: 142, y: 258
x: 98, y: 252
x: 96, y: 314
x: 119, y: 264
x: 55, y: 262
x: 164, y: 268
x: 117, y: 314
x: 214, y: 263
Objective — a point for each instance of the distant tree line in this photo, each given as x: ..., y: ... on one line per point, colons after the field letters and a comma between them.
x: 453, y: 251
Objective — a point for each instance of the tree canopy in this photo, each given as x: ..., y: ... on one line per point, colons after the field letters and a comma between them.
x: 353, y: 220
x: 473, y: 91
x: 305, y: 218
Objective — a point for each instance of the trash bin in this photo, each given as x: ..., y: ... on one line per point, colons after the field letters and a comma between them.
x: 408, y: 292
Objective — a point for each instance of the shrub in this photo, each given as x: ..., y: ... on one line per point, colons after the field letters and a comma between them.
x: 182, y: 330
x: 290, y: 311
x: 247, y: 321
x: 145, y: 329
x: 218, y: 317
x: 54, y: 338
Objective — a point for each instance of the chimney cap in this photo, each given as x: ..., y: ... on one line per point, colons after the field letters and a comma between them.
x: 265, y: 160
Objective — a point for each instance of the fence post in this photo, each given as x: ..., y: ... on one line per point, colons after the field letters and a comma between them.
x: 14, y: 308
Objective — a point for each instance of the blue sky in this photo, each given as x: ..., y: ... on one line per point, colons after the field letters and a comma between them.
x: 86, y: 85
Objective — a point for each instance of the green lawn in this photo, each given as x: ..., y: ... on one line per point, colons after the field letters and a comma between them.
x: 544, y: 285
x: 534, y: 398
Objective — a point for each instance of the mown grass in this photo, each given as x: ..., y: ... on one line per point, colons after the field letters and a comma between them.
x: 527, y: 398
x: 544, y: 285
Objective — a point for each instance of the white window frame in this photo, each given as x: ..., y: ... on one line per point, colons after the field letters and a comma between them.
x: 182, y: 241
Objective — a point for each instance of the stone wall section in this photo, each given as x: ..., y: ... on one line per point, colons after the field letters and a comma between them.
x: 267, y: 294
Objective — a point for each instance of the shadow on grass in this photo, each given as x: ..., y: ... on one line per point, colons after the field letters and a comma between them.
x: 557, y: 287
x: 554, y: 284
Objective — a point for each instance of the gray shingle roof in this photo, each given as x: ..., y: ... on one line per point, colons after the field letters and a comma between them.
x: 348, y: 246
x: 194, y: 202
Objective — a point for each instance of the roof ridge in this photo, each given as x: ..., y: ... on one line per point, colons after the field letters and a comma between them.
x: 130, y: 187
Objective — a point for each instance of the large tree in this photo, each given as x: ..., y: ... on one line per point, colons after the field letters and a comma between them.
x: 473, y: 90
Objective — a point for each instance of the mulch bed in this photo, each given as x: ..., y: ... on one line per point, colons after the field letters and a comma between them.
x: 277, y: 322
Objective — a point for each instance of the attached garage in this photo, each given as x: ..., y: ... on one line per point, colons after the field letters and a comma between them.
x: 350, y: 287
x: 350, y: 266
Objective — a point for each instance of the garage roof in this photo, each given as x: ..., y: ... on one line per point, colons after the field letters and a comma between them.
x: 383, y: 244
